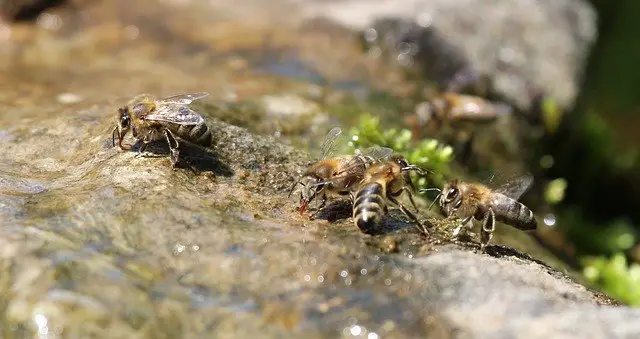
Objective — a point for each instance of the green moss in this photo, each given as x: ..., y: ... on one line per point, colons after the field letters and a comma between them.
x: 590, y: 238
x: 428, y: 154
x: 615, y: 277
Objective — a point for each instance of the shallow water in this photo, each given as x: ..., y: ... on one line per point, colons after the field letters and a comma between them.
x: 96, y: 242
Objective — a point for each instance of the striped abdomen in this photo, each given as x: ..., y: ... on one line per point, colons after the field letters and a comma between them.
x: 197, y: 134
x: 512, y: 212
x: 369, y: 207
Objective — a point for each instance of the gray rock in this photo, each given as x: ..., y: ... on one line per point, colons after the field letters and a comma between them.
x: 524, y: 48
x: 96, y: 242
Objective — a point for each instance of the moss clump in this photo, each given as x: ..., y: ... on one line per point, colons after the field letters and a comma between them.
x: 428, y: 154
x: 615, y: 277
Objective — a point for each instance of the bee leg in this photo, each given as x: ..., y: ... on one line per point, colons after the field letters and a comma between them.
x: 113, y: 136
x: 416, y: 222
x: 406, y: 189
x: 173, y: 147
x: 462, y: 228
x: 142, y: 148
x: 489, y: 224
x: 322, y: 204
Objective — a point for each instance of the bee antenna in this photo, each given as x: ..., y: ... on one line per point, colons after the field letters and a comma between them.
x: 430, y: 189
x: 414, y: 168
x: 434, y: 201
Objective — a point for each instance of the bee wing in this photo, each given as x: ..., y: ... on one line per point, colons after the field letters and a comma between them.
x: 515, y: 188
x: 329, y: 143
x: 356, y: 163
x: 377, y: 152
x: 181, y: 115
x: 183, y: 99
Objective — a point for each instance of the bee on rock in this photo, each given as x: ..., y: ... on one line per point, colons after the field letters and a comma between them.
x: 382, y: 182
x: 150, y: 119
x: 335, y: 175
x: 469, y: 200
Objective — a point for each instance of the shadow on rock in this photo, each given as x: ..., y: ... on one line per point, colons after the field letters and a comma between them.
x: 391, y: 223
x: 500, y: 251
x: 335, y: 211
x: 196, y: 158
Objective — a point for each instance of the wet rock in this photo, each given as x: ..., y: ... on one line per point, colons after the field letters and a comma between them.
x: 99, y: 242
x: 522, y: 48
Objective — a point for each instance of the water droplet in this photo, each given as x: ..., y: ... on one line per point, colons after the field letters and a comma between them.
x: 133, y: 32
x: 178, y: 249
x: 68, y: 98
x: 550, y: 220
x: 370, y: 35
x: 424, y: 20
x: 307, y: 278
x: 49, y: 21
x: 195, y: 248
x: 355, y: 330
x: 363, y: 271
x: 42, y: 322
x: 374, y: 52
x: 506, y: 54
x: 405, y: 60
x: 344, y: 274
x: 320, y: 278
x: 546, y: 161
x: 313, y: 261
x: 404, y: 48
x: 373, y: 335
x: 347, y: 282
x: 387, y: 282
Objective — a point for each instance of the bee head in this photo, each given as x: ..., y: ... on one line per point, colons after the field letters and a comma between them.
x: 124, y: 119
x: 451, y: 199
x: 123, y: 124
x: 311, y: 186
x: 400, y: 160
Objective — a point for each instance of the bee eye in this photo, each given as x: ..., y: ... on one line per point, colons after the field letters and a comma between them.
x: 125, y: 120
x: 402, y: 162
x: 452, y: 194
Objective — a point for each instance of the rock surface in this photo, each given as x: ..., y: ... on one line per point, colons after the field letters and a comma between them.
x: 96, y: 242
x: 523, y: 48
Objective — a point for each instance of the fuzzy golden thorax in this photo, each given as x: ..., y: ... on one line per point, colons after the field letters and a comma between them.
x: 128, y: 118
x: 462, y: 199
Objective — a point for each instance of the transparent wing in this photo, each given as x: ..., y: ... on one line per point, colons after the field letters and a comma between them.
x: 357, y: 163
x: 515, y: 188
x: 181, y: 115
x: 329, y: 143
x: 376, y: 152
x: 183, y: 99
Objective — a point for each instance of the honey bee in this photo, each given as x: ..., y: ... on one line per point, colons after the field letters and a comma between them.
x: 468, y: 200
x: 337, y: 175
x: 455, y: 107
x: 384, y: 181
x: 151, y: 119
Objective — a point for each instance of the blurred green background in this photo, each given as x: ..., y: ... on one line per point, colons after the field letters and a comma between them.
x: 587, y: 159
x: 597, y: 151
